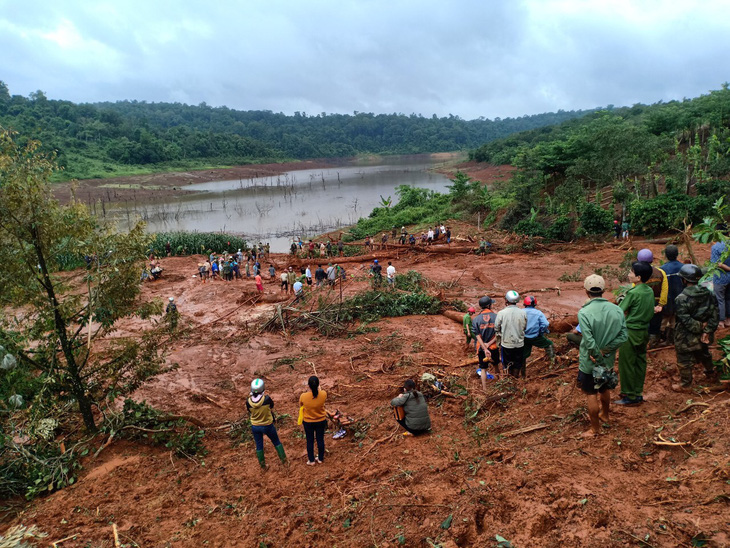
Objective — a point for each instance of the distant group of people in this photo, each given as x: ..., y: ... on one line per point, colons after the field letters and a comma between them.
x: 325, y: 250
x: 426, y: 238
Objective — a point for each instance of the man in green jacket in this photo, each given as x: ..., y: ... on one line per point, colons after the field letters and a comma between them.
x: 638, y: 307
x: 604, y: 330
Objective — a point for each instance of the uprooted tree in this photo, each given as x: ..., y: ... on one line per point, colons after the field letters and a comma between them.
x: 50, y: 319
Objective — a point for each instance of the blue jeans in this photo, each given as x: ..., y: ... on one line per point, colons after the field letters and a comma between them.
x: 260, y: 431
x: 722, y: 293
x: 312, y: 430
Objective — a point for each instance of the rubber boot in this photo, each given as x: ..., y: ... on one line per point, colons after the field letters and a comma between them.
x: 262, y: 459
x: 550, y: 351
x: 280, y: 450
x: 669, y: 335
x: 653, y: 341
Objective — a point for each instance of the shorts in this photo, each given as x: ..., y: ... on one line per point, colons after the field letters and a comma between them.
x: 586, y: 384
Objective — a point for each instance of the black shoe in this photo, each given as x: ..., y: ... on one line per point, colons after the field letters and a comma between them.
x: 629, y: 401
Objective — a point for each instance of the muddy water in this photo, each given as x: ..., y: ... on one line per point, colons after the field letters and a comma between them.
x: 295, y: 204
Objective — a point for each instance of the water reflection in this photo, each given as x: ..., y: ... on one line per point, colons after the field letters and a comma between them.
x: 276, y: 209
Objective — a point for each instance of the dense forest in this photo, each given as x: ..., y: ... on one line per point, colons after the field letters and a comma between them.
x: 107, y: 139
x: 658, y: 165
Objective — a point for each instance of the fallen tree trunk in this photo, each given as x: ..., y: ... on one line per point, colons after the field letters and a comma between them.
x: 562, y: 325
x: 454, y: 315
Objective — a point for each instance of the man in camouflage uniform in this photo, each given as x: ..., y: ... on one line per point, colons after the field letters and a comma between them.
x: 697, y: 320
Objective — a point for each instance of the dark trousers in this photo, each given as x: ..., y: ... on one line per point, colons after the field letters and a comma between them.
x: 493, y: 356
x: 513, y: 360
x: 655, y: 324
x: 312, y: 430
x: 686, y: 360
x: 402, y: 422
x: 260, y: 431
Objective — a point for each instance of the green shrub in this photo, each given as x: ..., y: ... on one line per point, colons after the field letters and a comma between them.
x: 410, y: 281
x: 143, y: 422
x: 561, y: 229
x: 667, y: 211
x: 530, y: 227
x: 595, y: 220
x: 194, y: 243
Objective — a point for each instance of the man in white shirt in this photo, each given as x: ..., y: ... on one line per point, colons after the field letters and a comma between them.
x: 390, y: 272
x: 510, y: 326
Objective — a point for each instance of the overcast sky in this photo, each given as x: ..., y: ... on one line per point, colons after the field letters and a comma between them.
x: 471, y: 58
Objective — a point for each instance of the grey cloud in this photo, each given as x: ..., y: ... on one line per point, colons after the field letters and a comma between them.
x: 469, y: 58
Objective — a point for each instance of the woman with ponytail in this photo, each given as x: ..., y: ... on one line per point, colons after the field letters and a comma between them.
x: 314, y: 419
x: 417, y: 420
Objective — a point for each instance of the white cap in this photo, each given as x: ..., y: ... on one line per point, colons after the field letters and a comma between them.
x: 171, y: 299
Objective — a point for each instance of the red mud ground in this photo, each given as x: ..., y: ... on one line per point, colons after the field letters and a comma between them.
x: 543, y: 488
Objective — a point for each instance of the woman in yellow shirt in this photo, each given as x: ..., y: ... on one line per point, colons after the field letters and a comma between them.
x: 315, y: 420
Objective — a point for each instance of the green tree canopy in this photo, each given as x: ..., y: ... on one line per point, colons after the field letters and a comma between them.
x: 51, y: 320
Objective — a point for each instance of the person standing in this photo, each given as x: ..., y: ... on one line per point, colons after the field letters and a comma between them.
x: 466, y: 323
x: 482, y: 325
x: 272, y: 271
x: 616, y: 230
x: 319, y: 276
x: 674, y: 284
x: 697, y: 319
x: 390, y: 274
x: 284, y: 282
x: 537, y: 327
x: 340, y: 248
x: 291, y: 277
x: 377, y: 272
x: 308, y: 275
x: 315, y: 419
x: 638, y: 307
x: 416, y: 419
x: 659, y: 285
x: 260, y: 409
x: 721, y: 281
x: 259, y: 283
x: 603, y: 329
x: 625, y: 229
x: 331, y: 275
x: 171, y: 313
x: 510, y: 326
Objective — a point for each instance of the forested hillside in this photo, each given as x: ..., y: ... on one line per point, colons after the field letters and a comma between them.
x: 105, y: 139
x: 658, y: 165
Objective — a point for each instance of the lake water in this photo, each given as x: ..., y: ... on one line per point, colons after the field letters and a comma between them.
x: 295, y: 204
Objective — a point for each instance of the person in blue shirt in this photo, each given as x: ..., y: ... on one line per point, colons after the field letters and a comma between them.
x: 721, y: 281
x: 674, y: 283
x: 214, y: 269
x: 537, y: 327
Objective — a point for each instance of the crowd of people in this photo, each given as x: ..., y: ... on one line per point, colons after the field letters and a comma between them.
x: 668, y: 302
x: 664, y: 303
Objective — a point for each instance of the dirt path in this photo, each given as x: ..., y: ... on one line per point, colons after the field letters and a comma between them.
x: 473, y: 478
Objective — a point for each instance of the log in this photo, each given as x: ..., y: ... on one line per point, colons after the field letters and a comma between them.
x: 454, y: 315
x: 563, y: 325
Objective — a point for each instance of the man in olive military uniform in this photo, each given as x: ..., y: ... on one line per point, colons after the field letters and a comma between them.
x: 697, y: 320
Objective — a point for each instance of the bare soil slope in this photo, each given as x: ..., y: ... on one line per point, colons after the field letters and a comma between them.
x: 476, y: 476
